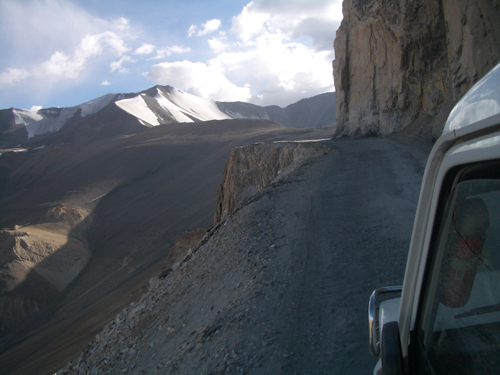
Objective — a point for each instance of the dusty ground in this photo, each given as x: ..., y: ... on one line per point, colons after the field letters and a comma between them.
x: 282, y: 286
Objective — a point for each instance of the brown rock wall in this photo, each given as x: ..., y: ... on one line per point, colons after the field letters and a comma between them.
x: 473, y: 40
x: 252, y: 168
x: 399, y: 61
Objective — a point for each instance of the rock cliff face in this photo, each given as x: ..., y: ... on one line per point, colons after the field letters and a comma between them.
x: 38, y: 261
x: 252, y: 168
x: 401, y: 62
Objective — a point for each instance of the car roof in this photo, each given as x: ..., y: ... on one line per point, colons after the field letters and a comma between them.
x: 480, y: 102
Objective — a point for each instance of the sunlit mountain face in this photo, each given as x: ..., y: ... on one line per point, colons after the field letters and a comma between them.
x: 116, y: 114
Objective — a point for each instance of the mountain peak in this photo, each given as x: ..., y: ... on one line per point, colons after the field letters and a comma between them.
x: 158, y: 105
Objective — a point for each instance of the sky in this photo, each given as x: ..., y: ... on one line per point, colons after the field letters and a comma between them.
x: 59, y: 53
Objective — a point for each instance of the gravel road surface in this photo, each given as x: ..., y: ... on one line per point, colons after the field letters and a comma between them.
x: 282, y: 286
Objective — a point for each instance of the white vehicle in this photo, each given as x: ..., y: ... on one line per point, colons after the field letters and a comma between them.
x: 445, y: 319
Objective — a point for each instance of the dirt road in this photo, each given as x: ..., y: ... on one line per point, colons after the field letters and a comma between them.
x: 282, y: 286
x: 349, y: 235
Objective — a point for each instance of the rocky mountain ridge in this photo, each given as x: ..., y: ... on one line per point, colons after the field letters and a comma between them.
x: 312, y: 112
x: 152, y: 107
x: 399, y: 64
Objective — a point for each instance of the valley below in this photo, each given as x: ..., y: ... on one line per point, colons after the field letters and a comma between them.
x: 86, y: 224
x: 281, y: 285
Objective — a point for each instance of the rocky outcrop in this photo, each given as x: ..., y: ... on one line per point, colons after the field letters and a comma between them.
x: 37, y: 262
x: 400, y: 62
x: 252, y: 168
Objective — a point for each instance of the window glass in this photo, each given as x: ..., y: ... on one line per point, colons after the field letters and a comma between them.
x: 461, y: 324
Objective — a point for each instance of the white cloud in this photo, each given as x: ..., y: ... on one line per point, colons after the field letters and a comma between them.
x: 271, y: 56
x: 105, y: 83
x: 60, y: 65
x: 31, y: 24
x: 121, y: 24
x: 65, y: 55
x: 217, y: 45
x: 278, y: 71
x: 207, y: 28
x: 13, y: 76
x: 192, y: 30
x: 167, y: 51
x: 118, y: 65
x: 178, y: 49
x: 283, y: 53
x: 145, y: 49
x: 198, y: 79
x: 320, y: 31
x: 315, y: 20
x: 250, y: 22
x: 95, y: 44
x: 36, y: 108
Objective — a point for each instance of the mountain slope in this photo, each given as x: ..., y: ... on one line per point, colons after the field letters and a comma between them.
x: 139, y: 193
x: 155, y: 106
x: 306, y: 113
x: 278, y: 287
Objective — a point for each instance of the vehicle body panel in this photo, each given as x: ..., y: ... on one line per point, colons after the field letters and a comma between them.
x: 471, y: 135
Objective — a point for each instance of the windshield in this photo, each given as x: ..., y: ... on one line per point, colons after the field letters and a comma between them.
x: 462, y: 320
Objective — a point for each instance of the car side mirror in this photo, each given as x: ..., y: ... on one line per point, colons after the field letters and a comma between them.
x: 383, y: 308
x: 391, y: 354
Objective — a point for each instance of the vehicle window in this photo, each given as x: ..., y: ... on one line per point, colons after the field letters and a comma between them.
x: 460, y: 326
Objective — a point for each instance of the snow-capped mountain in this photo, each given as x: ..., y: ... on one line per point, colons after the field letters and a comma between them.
x: 156, y: 106
x: 48, y: 120
x: 166, y: 104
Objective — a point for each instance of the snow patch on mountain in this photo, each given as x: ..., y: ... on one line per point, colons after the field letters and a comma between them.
x: 23, y: 116
x: 39, y: 121
x: 181, y: 103
x: 95, y: 105
x: 138, y: 107
x: 239, y: 110
x: 171, y: 108
x: 43, y: 120
x: 237, y: 115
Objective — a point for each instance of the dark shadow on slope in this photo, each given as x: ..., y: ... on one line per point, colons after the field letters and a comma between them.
x: 168, y: 179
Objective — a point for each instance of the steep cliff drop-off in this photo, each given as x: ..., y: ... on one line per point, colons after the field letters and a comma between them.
x: 400, y: 63
x: 252, y: 168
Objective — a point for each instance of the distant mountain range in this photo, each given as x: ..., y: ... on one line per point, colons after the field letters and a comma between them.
x: 92, y: 197
x: 128, y: 113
